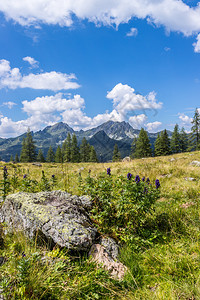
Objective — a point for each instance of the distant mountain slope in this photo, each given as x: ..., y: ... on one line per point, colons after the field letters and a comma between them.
x: 103, y: 138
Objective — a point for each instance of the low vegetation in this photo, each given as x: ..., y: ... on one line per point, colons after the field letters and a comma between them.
x: 156, y: 223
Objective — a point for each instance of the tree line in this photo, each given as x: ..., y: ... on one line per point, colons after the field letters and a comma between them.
x: 179, y: 142
x: 68, y: 152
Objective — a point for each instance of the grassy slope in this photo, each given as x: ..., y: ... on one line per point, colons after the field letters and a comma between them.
x: 167, y: 267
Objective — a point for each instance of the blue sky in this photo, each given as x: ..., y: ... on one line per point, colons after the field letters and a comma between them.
x: 87, y: 62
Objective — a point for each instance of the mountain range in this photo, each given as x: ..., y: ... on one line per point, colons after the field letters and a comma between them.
x: 103, y: 138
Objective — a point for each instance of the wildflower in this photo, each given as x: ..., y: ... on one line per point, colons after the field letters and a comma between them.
x: 148, y: 180
x: 143, y: 179
x: 129, y: 175
x: 24, y: 176
x: 157, y: 183
x: 89, y: 171
x: 23, y: 254
x: 53, y: 176
x: 108, y: 171
x: 137, y: 179
x: 5, y: 170
x: 145, y: 190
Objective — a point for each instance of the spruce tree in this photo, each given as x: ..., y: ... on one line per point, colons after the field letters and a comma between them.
x: 16, y: 158
x: 116, y: 154
x: 50, y: 155
x: 84, y: 151
x: 143, y: 147
x: 195, y: 131
x: 93, y: 155
x: 40, y: 156
x: 175, y: 140
x: 75, y: 155
x: 58, y: 155
x: 28, y: 152
x: 66, y: 148
x: 158, y: 146
x: 183, y: 140
x: 165, y: 143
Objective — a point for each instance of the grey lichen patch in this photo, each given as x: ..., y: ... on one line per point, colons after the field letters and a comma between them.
x: 57, y: 214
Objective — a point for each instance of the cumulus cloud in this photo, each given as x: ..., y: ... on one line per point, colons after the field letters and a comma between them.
x: 154, y: 126
x: 174, y: 15
x: 197, y: 45
x: 54, y: 81
x: 47, y: 110
x: 10, y: 104
x: 185, y: 119
x: 34, y: 63
x: 132, y: 32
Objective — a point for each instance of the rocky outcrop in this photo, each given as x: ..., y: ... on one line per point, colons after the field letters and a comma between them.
x: 61, y: 217
x: 195, y: 163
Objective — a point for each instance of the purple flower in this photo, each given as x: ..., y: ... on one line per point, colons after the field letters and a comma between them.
x: 145, y: 190
x: 137, y: 179
x: 53, y: 176
x: 23, y: 254
x: 157, y: 183
x: 143, y: 179
x: 108, y: 171
x: 129, y: 175
x: 24, y: 176
x: 148, y: 180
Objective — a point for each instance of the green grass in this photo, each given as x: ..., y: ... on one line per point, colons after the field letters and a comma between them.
x: 163, y: 260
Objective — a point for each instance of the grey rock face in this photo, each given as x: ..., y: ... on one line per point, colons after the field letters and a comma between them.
x: 58, y: 215
x: 195, y: 163
x: 110, y: 246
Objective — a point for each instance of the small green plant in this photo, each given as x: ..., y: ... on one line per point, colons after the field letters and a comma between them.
x: 44, y: 183
x: 5, y: 183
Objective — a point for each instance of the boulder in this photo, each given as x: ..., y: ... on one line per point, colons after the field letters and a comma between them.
x: 127, y: 158
x: 195, y: 163
x: 61, y: 217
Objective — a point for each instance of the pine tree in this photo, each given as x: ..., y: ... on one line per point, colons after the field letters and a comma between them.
x: 16, y: 158
x: 40, y: 156
x: 143, y: 147
x: 50, y: 155
x: 133, y: 146
x: 165, y: 142
x: 183, y: 140
x: 58, y: 155
x: 66, y: 148
x: 116, y: 154
x: 28, y: 152
x: 175, y: 140
x: 93, y: 155
x: 84, y: 151
x: 195, y: 130
x: 11, y: 158
x: 75, y: 155
x: 158, y: 146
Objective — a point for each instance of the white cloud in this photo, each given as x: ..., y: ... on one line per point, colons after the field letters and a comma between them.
x: 197, y: 44
x: 167, y: 49
x: 34, y: 63
x: 172, y: 14
x: 138, y: 121
x: 47, y: 110
x: 185, y: 119
x: 154, y: 126
x: 10, y: 104
x: 54, y: 81
x: 132, y: 32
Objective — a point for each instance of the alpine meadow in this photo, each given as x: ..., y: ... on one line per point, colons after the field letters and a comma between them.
x: 99, y: 150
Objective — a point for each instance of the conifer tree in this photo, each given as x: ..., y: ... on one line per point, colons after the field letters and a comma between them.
x: 158, y: 146
x: 40, y: 156
x: 75, y: 155
x: 116, y: 154
x: 93, y: 155
x: 16, y: 158
x: 183, y: 140
x: 165, y: 143
x: 143, y: 147
x: 175, y: 140
x: 58, y: 155
x: 11, y: 158
x: 66, y: 148
x: 84, y: 151
x: 50, y: 155
x: 195, y: 131
x: 28, y: 152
